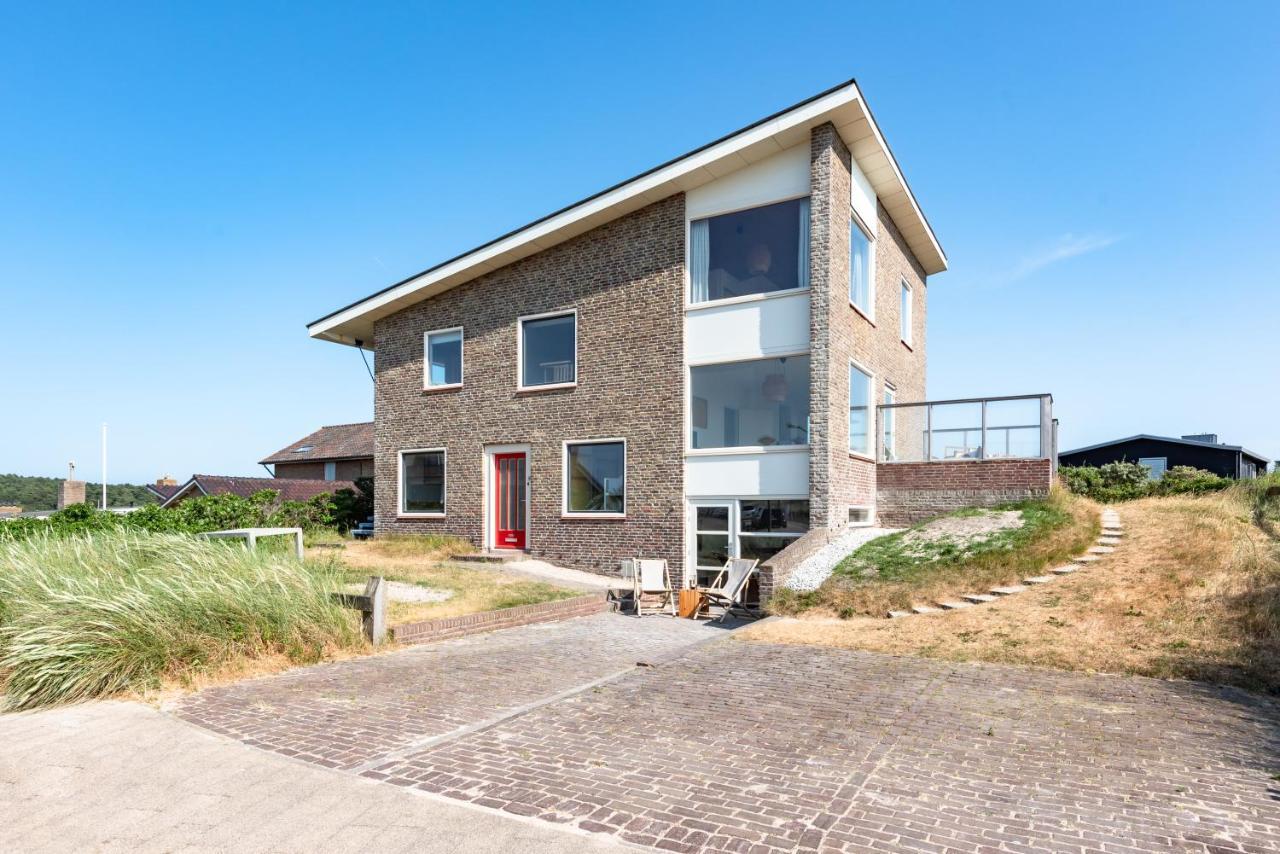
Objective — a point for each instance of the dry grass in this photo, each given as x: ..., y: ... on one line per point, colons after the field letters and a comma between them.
x: 1193, y: 592
x: 423, y: 560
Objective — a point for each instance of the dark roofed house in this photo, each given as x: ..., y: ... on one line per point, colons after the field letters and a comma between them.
x: 339, y: 452
x: 164, y: 488
x: 290, y: 489
x: 1161, y: 453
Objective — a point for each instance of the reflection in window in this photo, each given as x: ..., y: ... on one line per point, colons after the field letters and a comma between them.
x: 756, y: 251
x: 422, y: 487
x: 859, y: 410
x: 762, y: 402
x: 889, y: 444
x: 859, y: 267
x: 597, y: 478
x: 549, y: 350
x: 444, y: 358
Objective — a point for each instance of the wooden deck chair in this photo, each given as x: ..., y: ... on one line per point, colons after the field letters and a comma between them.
x: 652, y: 578
x: 729, y: 588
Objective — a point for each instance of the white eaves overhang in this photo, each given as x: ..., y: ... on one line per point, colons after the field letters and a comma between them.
x: 843, y: 106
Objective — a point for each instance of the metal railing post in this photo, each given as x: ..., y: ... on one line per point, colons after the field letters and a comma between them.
x: 982, y: 448
x: 928, y: 432
x: 1046, y: 427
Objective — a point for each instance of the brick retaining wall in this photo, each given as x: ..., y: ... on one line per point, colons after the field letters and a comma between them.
x: 444, y: 628
x: 907, y: 493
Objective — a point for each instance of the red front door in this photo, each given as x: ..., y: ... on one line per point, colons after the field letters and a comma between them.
x: 509, y: 493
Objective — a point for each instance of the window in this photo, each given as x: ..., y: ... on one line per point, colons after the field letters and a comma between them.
x: 888, y: 445
x: 444, y: 358
x: 861, y: 283
x: 330, y: 471
x: 595, y: 477
x: 422, y: 482
x: 755, y: 251
x: 859, y: 411
x: 747, y: 528
x: 1155, y: 466
x: 859, y: 517
x: 905, y: 313
x: 549, y: 350
x: 750, y: 404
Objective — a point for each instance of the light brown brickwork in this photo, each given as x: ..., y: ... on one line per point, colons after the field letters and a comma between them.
x: 911, y: 492
x: 625, y: 279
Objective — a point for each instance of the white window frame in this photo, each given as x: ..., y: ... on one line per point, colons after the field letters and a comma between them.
x: 870, y: 311
x: 908, y: 316
x: 1143, y: 461
x: 869, y: 522
x: 444, y: 488
x: 734, y: 531
x: 887, y: 417
x: 565, y: 512
x: 546, y: 315
x: 331, y: 471
x: 870, y: 452
x: 691, y: 451
x: 690, y: 305
x: 427, y: 385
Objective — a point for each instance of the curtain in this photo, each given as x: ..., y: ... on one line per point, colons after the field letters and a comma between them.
x: 802, y: 269
x: 699, y: 260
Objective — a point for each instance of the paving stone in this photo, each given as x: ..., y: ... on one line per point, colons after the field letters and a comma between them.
x: 1065, y: 569
x: 1101, y: 550
x: 1038, y: 579
x: 893, y: 615
x: 924, y: 609
x: 954, y: 605
x: 1086, y: 559
x: 1009, y: 590
x: 1108, y: 541
x: 978, y: 598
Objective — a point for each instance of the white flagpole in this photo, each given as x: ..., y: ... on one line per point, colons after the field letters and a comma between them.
x: 104, y: 465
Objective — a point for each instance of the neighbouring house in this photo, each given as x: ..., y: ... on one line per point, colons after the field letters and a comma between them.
x: 164, y: 488
x: 1161, y: 453
x: 337, y: 452
x: 9, y: 511
x: 290, y: 489
x: 723, y: 356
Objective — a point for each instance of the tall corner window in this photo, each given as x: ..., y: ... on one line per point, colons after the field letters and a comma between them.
x: 422, y: 474
x: 443, y: 358
x: 756, y: 403
x: 595, y: 477
x: 754, y: 251
x: 904, y: 312
x: 861, y: 284
x: 889, y: 442
x: 549, y: 350
x: 859, y: 410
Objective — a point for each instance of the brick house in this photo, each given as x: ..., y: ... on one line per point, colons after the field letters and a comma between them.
x: 692, y: 364
x: 337, y: 452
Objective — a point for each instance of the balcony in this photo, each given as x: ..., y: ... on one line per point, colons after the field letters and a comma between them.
x: 1019, y: 427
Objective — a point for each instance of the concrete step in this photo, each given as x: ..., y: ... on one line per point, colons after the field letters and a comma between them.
x: 497, y: 556
x: 953, y: 605
x: 978, y: 598
x: 893, y: 615
x: 1065, y: 569
x: 1101, y: 550
x: 1083, y: 559
x: 1108, y: 541
x: 1038, y: 579
x: 924, y: 609
x: 1008, y: 591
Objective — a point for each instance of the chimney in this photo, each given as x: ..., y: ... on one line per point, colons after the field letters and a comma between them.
x: 70, y: 491
x: 1207, y: 438
x: 165, y: 480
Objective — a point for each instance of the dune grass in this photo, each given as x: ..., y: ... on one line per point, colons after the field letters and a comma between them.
x: 117, y: 612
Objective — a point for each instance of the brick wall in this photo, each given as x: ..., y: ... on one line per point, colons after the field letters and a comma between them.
x: 299, y: 471
x: 625, y: 279
x: 911, y: 492
x: 840, y: 333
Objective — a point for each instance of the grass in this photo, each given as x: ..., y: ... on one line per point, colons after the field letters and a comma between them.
x: 425, y: 561
x: 1193, y: 592
x: 897, y: 571
x: 117, y: 612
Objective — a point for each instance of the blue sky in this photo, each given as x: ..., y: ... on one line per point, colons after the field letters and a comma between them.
x: 184, y: 186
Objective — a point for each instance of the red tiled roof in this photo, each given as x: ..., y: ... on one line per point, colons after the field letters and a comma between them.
x: 290, y: 489
x: 336, y: 442
x: 163, y: 492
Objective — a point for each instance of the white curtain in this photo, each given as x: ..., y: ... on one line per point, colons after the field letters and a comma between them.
x: 802, y: 271
x: 699, y: 260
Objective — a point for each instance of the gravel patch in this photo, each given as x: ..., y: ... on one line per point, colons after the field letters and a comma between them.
x: 973, y: 528
x: 398, y: 591
x: 815, y: 569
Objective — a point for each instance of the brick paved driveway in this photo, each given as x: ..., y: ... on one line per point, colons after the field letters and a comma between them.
x: 742, y: 746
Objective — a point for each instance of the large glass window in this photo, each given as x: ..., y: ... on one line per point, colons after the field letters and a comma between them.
x: 595, y: 479
x: 444, y: 358
x: 749, y: 404
x: 549, y: 350
x: 889, y: 444
x: 859, y: 410
x: 860, y: 284
x: 747, y: 528
x: 1155, y: 466
x: 904, y: 312
x: 756, y: 251
x: 422, y: 482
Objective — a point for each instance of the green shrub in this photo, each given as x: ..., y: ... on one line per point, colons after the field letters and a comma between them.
x: 101, y: 613
x: 1182, y: 480
x: 1125, y: 481
x: 351, y: 507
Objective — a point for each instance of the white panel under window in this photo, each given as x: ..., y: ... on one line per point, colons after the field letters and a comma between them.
x: 783, y: 176
x: 747, y: 474
x: 747, y: 329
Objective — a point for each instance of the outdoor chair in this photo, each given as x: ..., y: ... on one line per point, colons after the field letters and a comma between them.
x: 729, y: 588
x: 652, y: 578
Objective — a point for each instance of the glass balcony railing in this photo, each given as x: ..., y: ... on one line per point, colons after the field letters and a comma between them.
x: 980, y: 428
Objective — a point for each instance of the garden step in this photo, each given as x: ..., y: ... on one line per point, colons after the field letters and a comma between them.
x: 502, y: 556
x: 1108, y: 541
x: 1038, y: 579
x: 1065, y: 569
x: 953, y: 605
x: 1008, y: 591
x: 1086, y: 559
x: 924, y: 609
x: 893, y: 615
x: 978, y: 598
x: 1101, y: 550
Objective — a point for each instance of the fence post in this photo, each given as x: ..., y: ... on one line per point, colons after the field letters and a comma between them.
x: 375, y: 619
x: 982, y: 449
x: 928, y: 432
x: 1046, y: 428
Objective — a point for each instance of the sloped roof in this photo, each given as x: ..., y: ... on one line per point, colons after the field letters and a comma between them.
x: 335, y: 442
x: 165, y: 492
x: 290, y: 489
x: 842, y: 105
x: 1192, y: 442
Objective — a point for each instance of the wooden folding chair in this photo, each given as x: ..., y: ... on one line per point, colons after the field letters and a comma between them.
x: 652, y: 578
x: 729, y: 588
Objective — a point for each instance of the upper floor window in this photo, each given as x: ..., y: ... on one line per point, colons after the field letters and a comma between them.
x: 750, y: 404
x: 755, y: 251
x: 859, y: 410
x: 905, y: 313
x: 861, y: 283
x: 443, y: 358
x: 549, y: 350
